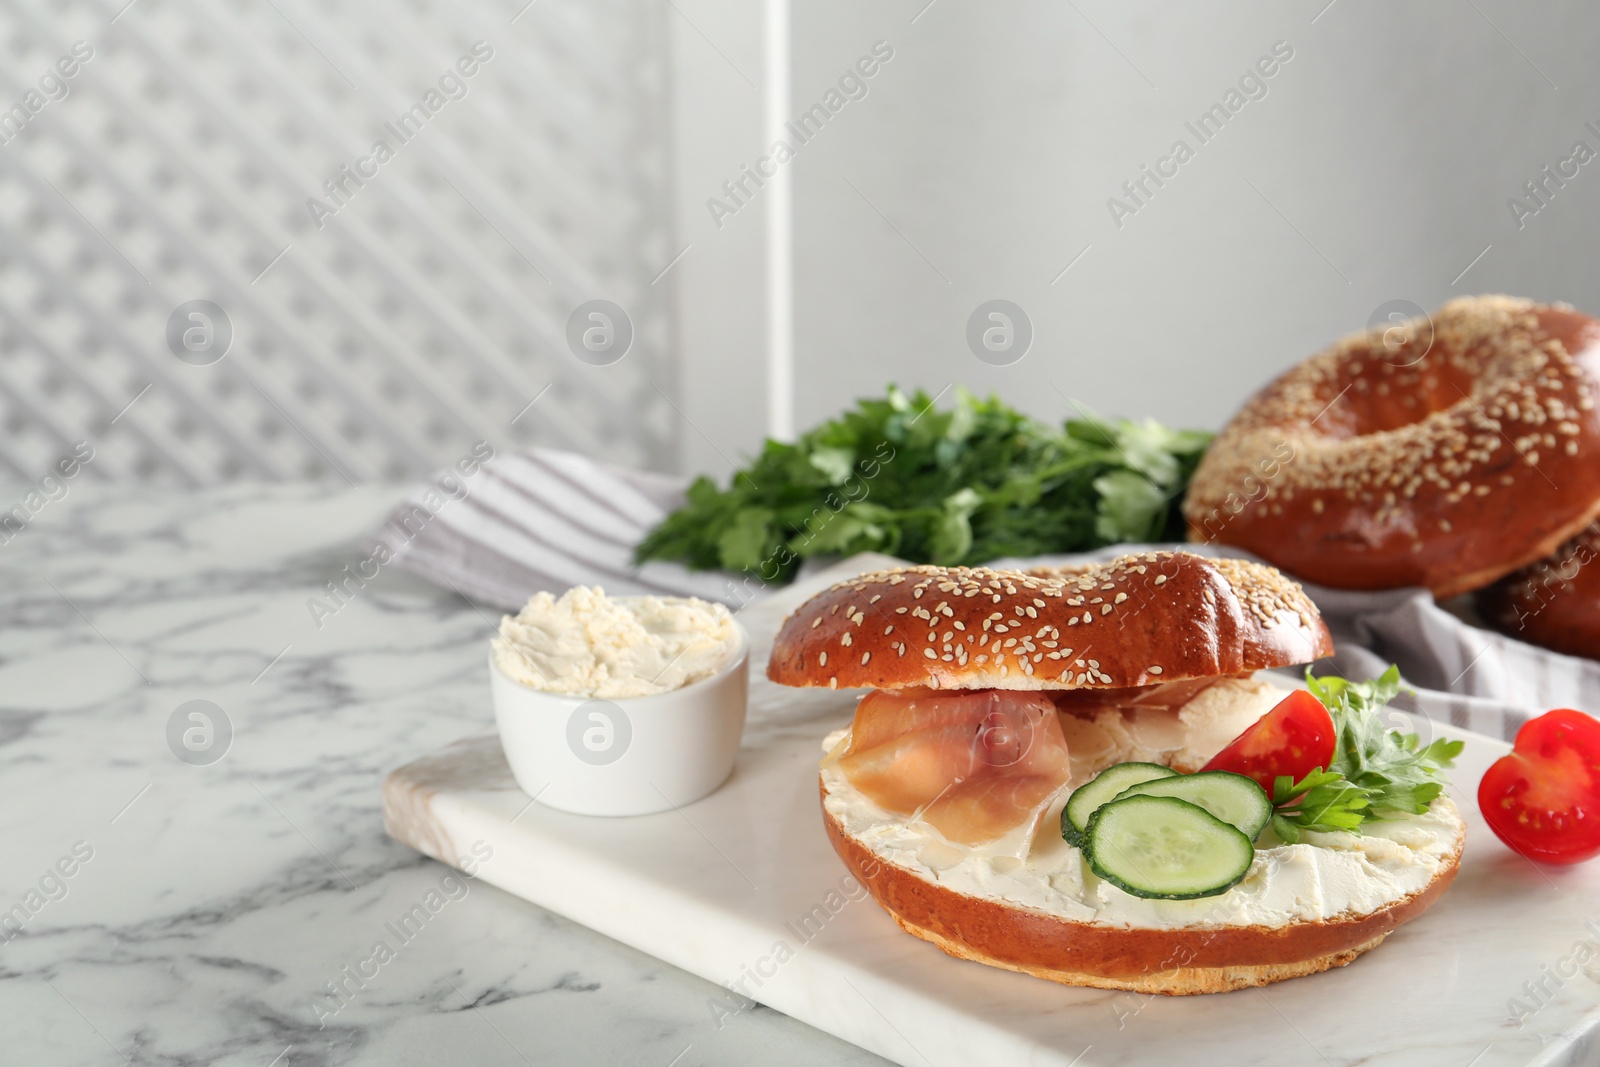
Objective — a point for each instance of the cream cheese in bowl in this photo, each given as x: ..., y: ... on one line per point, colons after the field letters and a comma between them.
x: 585, y: 643
x: 619, y: 705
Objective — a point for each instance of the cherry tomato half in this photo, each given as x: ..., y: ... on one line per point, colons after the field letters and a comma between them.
x: 1294, y: 738
x: 1543, y: 800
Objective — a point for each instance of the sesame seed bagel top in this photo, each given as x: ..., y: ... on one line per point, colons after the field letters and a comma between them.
x: 1137, y: 620
x: 1444, y: 459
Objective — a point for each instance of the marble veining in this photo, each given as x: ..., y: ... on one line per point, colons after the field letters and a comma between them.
x: 220, y: 900
x: 210, y: 906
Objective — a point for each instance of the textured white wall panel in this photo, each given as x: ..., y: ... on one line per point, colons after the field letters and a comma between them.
x: 380, y: 336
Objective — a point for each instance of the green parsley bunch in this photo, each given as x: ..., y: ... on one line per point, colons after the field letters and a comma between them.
x: 959, y: 485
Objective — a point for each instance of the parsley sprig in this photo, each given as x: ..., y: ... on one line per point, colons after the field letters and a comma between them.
x: 965, y: 483
x: 1377, y: 773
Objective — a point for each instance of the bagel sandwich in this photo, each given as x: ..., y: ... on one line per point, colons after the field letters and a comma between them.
x: 999, y: 703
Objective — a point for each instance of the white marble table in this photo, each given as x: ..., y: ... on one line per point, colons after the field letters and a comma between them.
x: 218, y: 899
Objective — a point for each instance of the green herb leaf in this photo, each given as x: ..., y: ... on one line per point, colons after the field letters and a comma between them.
x: 859, y: 527
x: 1131, y: 507
x: 952, y: 537
x: 833, y: 462
x: 743, y: 542
x: 1324, y: 801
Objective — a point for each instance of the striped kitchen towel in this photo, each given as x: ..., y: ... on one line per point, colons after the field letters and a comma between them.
x: 543, y: 519
x: 540, y: 519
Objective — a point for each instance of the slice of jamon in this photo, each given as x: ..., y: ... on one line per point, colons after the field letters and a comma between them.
x: 1178, y: 724
x: 973, y: 764
x: 1170, y: 695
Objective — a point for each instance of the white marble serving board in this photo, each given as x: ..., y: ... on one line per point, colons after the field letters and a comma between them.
x: 719, y: 888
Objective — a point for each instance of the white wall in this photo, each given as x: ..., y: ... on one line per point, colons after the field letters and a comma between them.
x: 185, y: 158
x: 1377, y: 167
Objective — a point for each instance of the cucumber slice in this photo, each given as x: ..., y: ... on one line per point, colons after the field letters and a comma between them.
x: 1167, y: 848
x: 1102, y: 789
x: 1233, y: 798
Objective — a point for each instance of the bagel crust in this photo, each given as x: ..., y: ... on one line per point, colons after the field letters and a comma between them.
x: 1137, y: 620
x: 1554, y: 602
x: 1468, y: 450
x: 1175, y: 962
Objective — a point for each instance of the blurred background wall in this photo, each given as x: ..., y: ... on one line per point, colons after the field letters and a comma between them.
x: 997, y: 151
x: 1376, y: 167
x: 387, y: 307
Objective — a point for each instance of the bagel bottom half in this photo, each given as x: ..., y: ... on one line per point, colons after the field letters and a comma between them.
x: 1175, y: 962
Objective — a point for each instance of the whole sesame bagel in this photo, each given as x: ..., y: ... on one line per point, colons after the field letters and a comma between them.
x: 1554, y: 602
x: 1444, y: 455
x: 1136, y: 620
x: 1177, y: 961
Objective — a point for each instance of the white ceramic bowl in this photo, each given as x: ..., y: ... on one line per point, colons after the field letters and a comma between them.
x: 630, y: 756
